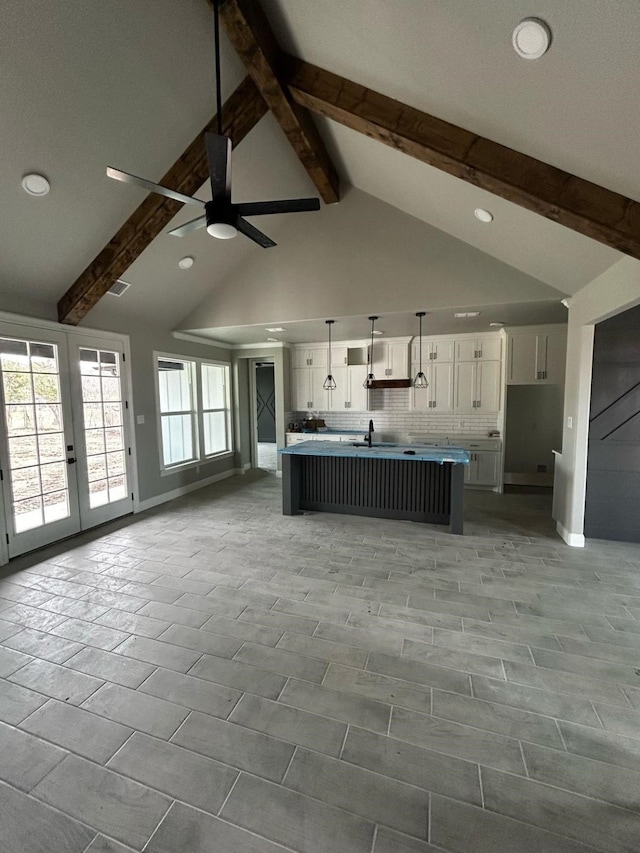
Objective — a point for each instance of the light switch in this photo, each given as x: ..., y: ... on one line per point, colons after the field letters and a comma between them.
x: 139, y: 419
x: 570, y: 422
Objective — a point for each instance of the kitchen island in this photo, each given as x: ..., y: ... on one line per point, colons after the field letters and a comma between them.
x: 412, y: 482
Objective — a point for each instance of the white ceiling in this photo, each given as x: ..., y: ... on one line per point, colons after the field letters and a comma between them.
x: 86, y: 84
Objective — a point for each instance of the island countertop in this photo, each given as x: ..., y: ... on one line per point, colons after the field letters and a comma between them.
x: 379, y: 450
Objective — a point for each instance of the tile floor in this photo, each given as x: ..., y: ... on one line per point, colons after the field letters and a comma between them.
x: 213, y: 677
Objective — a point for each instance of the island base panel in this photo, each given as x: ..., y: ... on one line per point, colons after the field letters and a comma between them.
x: 381, y: 488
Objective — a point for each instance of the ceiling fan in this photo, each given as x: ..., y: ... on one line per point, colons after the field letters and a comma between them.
x: 222, y: 218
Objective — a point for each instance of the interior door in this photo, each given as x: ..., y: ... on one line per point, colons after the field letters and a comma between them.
x: 37, y: 448
x: 101, y: 426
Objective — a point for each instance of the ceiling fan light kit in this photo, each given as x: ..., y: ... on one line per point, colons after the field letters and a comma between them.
x: 222, y: 218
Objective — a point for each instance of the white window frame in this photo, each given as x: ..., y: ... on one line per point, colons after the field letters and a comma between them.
x: 196, y: 411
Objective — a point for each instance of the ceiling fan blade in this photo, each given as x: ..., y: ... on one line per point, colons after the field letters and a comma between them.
x: 291, y: 205
x: 126, y: 178
x: 188, y: 227
x: 219, y: 158
x: 253, y: 234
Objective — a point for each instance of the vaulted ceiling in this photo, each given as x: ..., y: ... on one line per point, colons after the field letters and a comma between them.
x: 88, y: 84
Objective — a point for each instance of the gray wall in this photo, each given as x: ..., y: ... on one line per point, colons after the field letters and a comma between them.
x: 533, y: 428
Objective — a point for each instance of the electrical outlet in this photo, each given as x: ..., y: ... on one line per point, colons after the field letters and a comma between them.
x: 570, y: 422
x: 139, y: 419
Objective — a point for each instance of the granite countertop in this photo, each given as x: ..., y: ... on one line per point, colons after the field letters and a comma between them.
x: 379, y: 450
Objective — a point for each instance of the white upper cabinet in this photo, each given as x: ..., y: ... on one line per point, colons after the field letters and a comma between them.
x: 349, y: 392
x: 391, y: 359
x: 536, y: 357
x: 477, y: 386
x: 307, y: 391
x: 309, y: 357
x: 339, y: 356
x: 480, y: 349
x: 435, y: 350
x: 438, y: 397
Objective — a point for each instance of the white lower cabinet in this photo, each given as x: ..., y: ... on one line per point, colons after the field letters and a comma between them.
x: 483, y: 469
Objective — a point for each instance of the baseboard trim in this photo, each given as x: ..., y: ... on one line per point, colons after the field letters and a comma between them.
x: 184, y: 490
x: 575, y: 540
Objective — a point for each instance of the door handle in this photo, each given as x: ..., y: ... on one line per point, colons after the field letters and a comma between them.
x: 71, y: 461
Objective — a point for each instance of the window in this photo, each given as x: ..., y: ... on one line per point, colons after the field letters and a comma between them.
x: 194, y: 410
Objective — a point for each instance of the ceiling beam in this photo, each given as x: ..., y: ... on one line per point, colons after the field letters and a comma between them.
x: 251, y: 35
x: 240, y: 113
x: 571, y: 201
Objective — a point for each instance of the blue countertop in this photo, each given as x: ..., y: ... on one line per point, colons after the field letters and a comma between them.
x: 380, y: 450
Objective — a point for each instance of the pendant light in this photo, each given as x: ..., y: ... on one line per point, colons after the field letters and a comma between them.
x: 421, y: 380
x: 368, y: 382
x: 329, y: 383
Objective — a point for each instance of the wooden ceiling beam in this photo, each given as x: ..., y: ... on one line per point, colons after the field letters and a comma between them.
x: 240, y: 113
x: 578, y: 204
x: 251, y: 35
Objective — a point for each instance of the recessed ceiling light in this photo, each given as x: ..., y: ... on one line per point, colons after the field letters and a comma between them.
x: 531, y: 38
x: 462, y: 314
x: 272, y: 340
x: 566, y: 301
x: 378, y: 332
x: 276, y: 329
x: 483, y: 215
x: 186, y: 263
x: 35, y: 184
x: 496, y: 324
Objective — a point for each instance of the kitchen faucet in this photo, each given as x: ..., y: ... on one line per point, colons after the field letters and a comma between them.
x: 369, y: 436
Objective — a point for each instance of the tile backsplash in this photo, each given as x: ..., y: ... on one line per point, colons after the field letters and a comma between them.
x: 391, y: 415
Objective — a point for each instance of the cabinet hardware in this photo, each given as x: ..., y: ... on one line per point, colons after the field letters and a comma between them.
x: 474, y: 404
x: 477, y: 404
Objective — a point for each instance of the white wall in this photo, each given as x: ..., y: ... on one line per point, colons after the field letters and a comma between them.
x: 610, y: 293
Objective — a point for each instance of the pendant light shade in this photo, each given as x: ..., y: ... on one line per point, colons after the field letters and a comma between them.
x: 421, y: 380
x: 368, y: 382
x: 329, y: 383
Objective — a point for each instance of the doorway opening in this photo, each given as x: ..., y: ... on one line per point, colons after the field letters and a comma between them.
x: 265, y: 416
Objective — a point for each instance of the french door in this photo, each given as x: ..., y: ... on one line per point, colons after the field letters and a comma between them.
x: 64, y: 448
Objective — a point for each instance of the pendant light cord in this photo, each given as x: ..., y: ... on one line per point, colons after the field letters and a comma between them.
x: 216, y: 24
x: 420, y: 321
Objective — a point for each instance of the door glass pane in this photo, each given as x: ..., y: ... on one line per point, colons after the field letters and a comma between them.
x: 103, y: 418
x: 33, y: 417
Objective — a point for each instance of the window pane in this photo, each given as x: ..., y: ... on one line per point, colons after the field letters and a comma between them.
x: 43, y: 358
x: 96, y: 467
x: 91, y: 389
x: 215, y: 432
x: 117, y: 488
x: 112, y: 414
x: 51, y: 447
x: 213, y: 386
x: 25, y: 483
x: 98, y: 493
x: 27, y: 514
x: 177, y: 438
x: 174, y: 380
x: 93, y: 415
x: 115, y: 463
x: 15, y: 355
x: 56, y: 506
x: 54, y: 476
x: 94, y: 439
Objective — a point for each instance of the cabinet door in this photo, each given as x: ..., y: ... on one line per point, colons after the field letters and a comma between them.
x: 488, y: 386
x: 319, y: 397
x: 465, y: 386
x: 358, y: 394
x: 318, y: 357
x: 441, y: 350
x: 339, y: 397
x: 523, y: 359
x: 486, y: 468
x: 440, y: 378
x: 339, y: 356
x: 489, y: 349
x: 556, y: 352
x: 299, y: 358
x: 300, y: 391
x: 466, y: 350
x: 397, y: 361
x: 380, y: 359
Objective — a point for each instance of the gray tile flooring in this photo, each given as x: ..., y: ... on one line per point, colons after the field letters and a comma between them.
x: 213, y: 677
